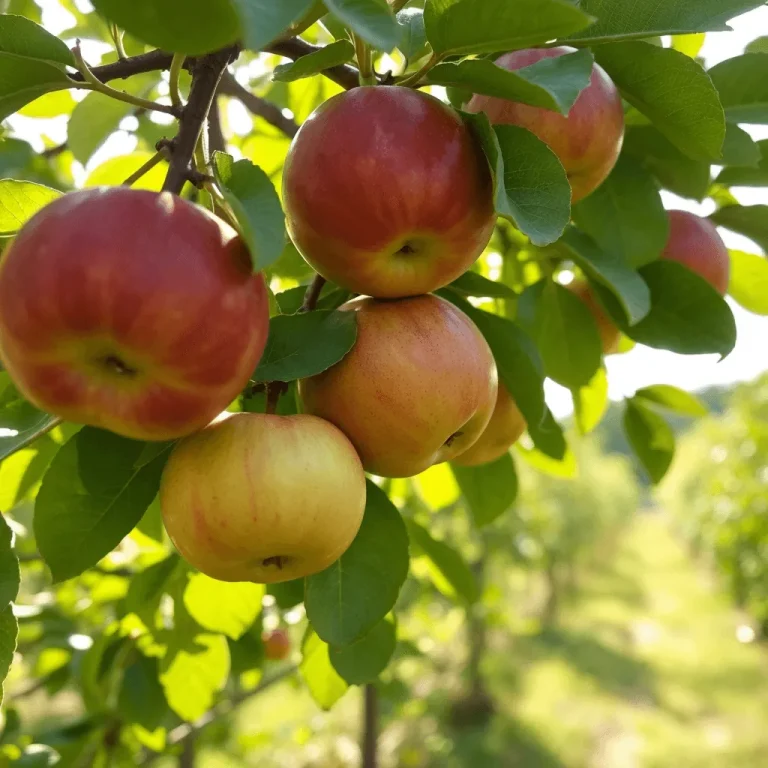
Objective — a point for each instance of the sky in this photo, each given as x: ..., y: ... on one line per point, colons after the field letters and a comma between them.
x: 626, y: 373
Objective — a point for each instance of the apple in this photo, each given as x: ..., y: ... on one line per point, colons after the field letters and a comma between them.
x: 695, y: 243
x: 132, y: 311
x: 263, y: 498
x: 387, y: 193
x: 417, y: 389
x: 587, y: 140
x: 506, y: 426
x: 610, y: 335
x: 277, y: 645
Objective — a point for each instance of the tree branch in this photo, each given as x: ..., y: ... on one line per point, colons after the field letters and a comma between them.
x: 135, y: 65
x: 313, y: 293
x: 216, y: 140
x: 206, y: 73
x: 294, y: 48
x: 258, y: 106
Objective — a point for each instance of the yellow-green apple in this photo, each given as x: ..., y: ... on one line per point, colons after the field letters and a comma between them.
x: 132, y: 311
x: 587, y: 140
x: 417, y: 389
x: 506, y: 426
x: 387, y: 193
x: 695, y: 243
x: 277, y: 645
x: 610, y: 335
x: 263, y: 498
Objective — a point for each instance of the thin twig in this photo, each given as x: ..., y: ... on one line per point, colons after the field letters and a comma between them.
x: 294, y: 49
x: 414, y: 80
x: 117, y: 37
x: 258, y: 106
x: 207, y: 72
x: 312, y: 294
x: 216, y: 140
x: 148, y: 166
x: 173, y: 83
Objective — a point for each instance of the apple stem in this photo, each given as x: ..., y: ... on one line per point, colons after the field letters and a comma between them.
x: 312, y: 294
x: 364, y: 61
x: 117, y: 37
x: 274, y: 389
x: 414, y: 80
x: 92, y: 83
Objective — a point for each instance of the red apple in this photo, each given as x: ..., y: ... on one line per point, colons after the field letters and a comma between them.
x: 417, y: 389
x: 610, y: 335
x: 695, y: 242
x: 132, y: 311
x: 277, y: 645
x: 587, y: 141
x: 386, y: 192
x: 263, y: 498
x: 504, y: 429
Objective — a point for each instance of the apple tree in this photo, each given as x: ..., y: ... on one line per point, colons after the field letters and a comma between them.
x: 291, y: 263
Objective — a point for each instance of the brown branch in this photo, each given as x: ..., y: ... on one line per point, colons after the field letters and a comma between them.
x: 294, y: 48
x: 312, y: 294
x: 258, y: 106
x: 216, y: 140
x: 370, y: 727
x: 206, y: 73
x: 135, y: 65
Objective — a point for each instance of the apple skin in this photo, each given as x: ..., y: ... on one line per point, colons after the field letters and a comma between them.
x: 417, y: 389
x: 387, y: 193
x: 277, y: 645
x: 695, y: 243
x: 610, y: 335
x: 504, y: 429
x: 587, y: 140
x: 263, y: 498
x: 132, y: 311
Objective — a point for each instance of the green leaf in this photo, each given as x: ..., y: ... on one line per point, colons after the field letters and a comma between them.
x: 9, y: 632
x: 754, y: 176
x: 687, y: 316
x: 93, y: 120
x: 19, y: 420
x: 517, y: 358
x: 672, y: 399
x: 468, y: 26
x: 220, y: 606
x: 675, y: 171
x: 345, y: 601
x: 413, y: 36
x: 306, y: 344
x: 690, y: 45
x: 749, y: 281
x: 325, y: 684
x: 625, y: 215
x: 21, y: 37
x: 564, y: 467
x: 117, y: 169
x: 9, y: 567
x: 549, y: 439
x: 255, y: 203
x: 448, y: 562
x: 672, y: 91
x: 372, y: 20
x: 262, y: 21
x: 647, y: 17
x: 473, y: 284
x: 591, y: 402
x: 489, y: 489
x: 739, y: 148
x: 141, y: 698
x: 758, y: 45
x: 39, y: 756
x: 651, y: 438
x: 287, y: 594
x: 743, y: 87
x: 553, y: 83
x: 19, y: 201
x: 565, y: 333
x: 191, y: 677
x: 331, y: 55
x: 531, y: 188
x: 24, y: 80
x: 50, y: 104
x: 193, y: 27
x: 748, y: 220
x: 92, y: 496
x: 603, y: 265
x: 147, y: 587
x: 363, y: 661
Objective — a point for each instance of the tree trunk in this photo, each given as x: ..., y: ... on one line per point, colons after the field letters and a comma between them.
x: 370, y: 727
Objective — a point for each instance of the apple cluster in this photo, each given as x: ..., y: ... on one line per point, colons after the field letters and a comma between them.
x: 139, y: 313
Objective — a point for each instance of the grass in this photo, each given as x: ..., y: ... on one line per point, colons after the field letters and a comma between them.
x: 643, y: 670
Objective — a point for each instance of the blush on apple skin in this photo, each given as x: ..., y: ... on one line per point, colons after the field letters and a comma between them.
x: 610, y: 335
x: 695, y: 243
x: 587, y: 140
x: 131, y: 311
x: 387, y: 193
